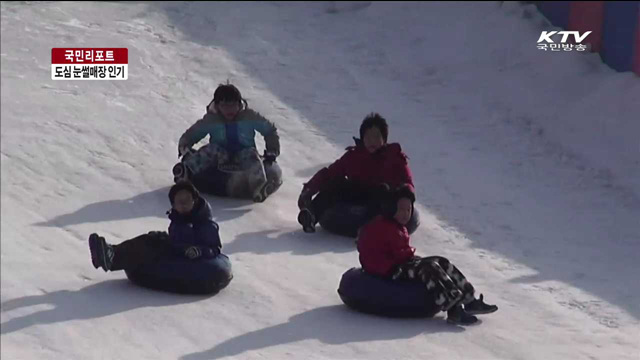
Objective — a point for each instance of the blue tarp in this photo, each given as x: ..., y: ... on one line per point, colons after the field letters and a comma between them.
x: 556, y: 11
x: 618, y: 33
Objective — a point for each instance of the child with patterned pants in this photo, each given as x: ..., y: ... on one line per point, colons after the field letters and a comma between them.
x: 384, y: 250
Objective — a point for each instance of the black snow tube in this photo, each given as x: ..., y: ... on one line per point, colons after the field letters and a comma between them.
x: 372, y: 294
x: 184, y: 276
x: 345, y: 218
x: 211, y: 181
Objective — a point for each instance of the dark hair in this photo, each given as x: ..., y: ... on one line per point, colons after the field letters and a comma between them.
x: 228, y: 93
x: 183, y: 185
x: 375, y: 120
x: 402, y: 192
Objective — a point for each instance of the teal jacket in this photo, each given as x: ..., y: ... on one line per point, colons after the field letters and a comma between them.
x: 234, y: 135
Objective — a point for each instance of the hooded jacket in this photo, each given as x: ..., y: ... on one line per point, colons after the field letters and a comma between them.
x: 383, y: 244
x: 387, y: 165
x: 233, y: 135
x: 196, y: 228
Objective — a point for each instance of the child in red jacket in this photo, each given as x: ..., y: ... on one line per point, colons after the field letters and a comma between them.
x: 384, y: 250
x: 361, y: 176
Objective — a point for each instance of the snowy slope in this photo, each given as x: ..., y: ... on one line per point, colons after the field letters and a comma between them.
x: 526, y: 166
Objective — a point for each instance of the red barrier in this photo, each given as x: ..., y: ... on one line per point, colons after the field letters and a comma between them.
x: 587, y: 16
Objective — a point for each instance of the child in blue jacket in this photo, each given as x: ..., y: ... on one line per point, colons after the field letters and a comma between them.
x: 192, y: 234
x: 231, y: 126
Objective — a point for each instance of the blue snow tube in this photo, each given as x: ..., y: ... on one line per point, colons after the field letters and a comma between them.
x: 372, y: 294
x: 184, y: 276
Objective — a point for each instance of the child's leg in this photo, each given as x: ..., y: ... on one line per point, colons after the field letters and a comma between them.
x: 273, y: 173
x: 208, y: 156
x: 339, y: 189
x: 456, y: 275
x: 433, y: 277
x: 250, y: 160
x: 140, y: 250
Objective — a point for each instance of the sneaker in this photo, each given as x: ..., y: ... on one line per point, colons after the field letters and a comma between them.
x: 101, y: 252
x: 458, y: 316
x: 478, y: 306
x: 307, y: 220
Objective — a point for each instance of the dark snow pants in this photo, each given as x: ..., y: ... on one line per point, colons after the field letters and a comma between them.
x: 241, y: 174
x: 142, y: 249
x: 343, y: 191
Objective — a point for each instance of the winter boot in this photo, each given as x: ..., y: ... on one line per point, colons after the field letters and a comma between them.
x: 457, y: 316
x: 478, y: 306
x: 307, y: 220
x: 264, y: 192
x: 101, y: 253
x: 179, y: 172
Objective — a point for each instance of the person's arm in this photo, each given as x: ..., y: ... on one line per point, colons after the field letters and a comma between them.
x: 408, y: 176
x: 193, y: 134
x: 181, y: 237
x: 209, y: 231
x: 267, y: 129
x: 399, y: 249
x: 326, y: 174
x: 404, y: 174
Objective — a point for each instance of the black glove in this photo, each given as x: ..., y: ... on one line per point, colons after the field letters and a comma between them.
x: 193, y: 252
x: 383, y: 189
x: 379, y: 198
x: 268, y: 157
x: 380, y: 193
x: 210, y: 252
x: 304, y: 201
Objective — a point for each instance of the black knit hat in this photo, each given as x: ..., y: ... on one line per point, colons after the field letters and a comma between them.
x: 227, y: 93
x: 375, y: 120
x: 391, y: 206
x: 183, y: 185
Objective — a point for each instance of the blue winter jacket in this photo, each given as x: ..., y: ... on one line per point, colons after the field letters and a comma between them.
x: 234, y: 135
x: 195, y: 229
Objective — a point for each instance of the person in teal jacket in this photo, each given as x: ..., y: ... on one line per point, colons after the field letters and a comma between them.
x: 231, y: 127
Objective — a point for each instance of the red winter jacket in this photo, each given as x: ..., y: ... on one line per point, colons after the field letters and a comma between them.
x: 383, y: 244
x: 387, y: 165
